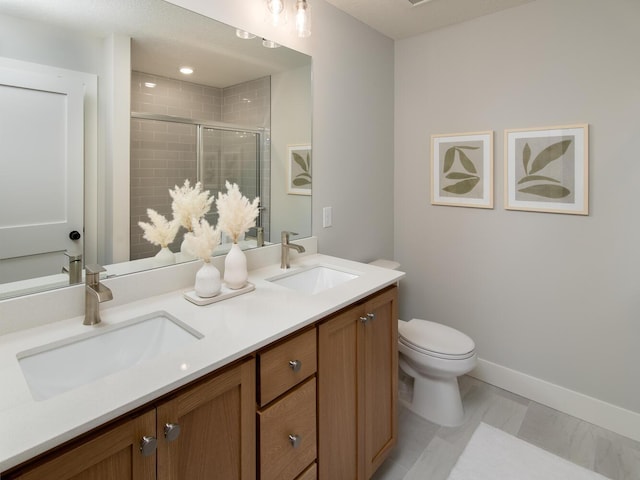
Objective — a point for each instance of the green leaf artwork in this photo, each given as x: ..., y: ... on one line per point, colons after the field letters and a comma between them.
x: 462, y: 187
x: 468, y: 179
x: 303, y: 178
x: 549, y: 154
x: 547, y: 190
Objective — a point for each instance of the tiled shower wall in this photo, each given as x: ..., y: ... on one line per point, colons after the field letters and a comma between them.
x: 163, y: 154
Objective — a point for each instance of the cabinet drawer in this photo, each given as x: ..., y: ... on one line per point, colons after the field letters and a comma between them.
x: 278, y: 372
x: 290, y: 419
x: 310, y: 473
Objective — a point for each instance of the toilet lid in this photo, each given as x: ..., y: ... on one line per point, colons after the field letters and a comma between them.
x: 434, y: 337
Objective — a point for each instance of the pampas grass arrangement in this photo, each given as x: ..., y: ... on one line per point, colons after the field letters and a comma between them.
x: 236, y: 214
x: 203, y: 240
x: 190, y: 203
x: 160, y: 231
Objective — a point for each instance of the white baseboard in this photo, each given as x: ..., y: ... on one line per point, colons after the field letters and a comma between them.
x: 614, y: 418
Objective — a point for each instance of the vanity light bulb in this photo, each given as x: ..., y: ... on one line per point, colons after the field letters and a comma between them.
x: 276, y: 12
x: 303, y: 19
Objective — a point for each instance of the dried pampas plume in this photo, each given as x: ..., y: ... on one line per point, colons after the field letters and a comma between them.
x: 160, y: 231
x: 236, y: 214
x: 203, y: 240
x: 189, y: 202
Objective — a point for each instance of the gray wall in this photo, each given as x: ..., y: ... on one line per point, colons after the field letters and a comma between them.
x: 553, y: 296
x: 291, y: 125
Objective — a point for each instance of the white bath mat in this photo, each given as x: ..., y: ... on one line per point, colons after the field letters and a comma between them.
x: 492, y: 454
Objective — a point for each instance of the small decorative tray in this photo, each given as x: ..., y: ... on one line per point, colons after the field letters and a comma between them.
x: 225, y: 292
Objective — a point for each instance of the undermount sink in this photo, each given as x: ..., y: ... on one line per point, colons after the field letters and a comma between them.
x: 313, y: 279
x: 61, y: 366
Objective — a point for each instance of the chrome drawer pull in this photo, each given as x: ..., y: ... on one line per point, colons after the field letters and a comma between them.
x: 295, y: 440
x: 148, y: 445
x: 295, y: 365
x: 369, y: 316
x: 171, y: 431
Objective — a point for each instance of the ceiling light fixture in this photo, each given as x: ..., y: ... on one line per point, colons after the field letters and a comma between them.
x: 303, y: 18
x: 243, y: 34
x: 276, y: 12
x: 269, y: 43
x: 186, y: 70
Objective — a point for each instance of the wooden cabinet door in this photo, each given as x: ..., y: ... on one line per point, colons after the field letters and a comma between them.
x: 357, y: 389
x: 338, y: 386
x: 380, y: 371
x: 217, y: 438
x: 114, y: 454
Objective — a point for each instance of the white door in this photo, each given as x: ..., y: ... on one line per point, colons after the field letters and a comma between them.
x: 41, y: 170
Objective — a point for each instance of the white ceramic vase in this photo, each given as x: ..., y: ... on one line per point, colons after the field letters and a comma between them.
x: 165, y: 257
x: 235, y: 268
x: 208, y: 282
x: 184, y: 253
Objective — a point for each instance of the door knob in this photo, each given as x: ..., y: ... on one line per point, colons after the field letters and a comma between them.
x: 74, y: 235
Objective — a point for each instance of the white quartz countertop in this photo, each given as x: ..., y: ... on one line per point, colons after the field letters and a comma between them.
x: 231, y: 328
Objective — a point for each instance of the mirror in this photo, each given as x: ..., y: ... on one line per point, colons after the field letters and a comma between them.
x: 116, y: 47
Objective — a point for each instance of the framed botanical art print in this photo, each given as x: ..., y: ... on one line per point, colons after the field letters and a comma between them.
x: 547, y: 169
x: 462, y: 169
x: 299, y: 169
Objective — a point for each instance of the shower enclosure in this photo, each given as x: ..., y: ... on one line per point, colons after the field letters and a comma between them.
x: 165, y: 151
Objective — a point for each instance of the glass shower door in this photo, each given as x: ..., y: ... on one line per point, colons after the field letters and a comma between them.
x: 230, y: 155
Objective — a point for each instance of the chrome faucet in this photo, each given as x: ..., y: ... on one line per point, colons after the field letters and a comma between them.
x: 74, y: 269
x: 285, y: 246
x: 94, y: 294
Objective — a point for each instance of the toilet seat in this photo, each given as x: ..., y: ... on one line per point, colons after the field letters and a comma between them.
x: 435, y: 339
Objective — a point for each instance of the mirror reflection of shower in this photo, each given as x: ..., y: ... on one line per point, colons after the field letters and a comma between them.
x: 181, y: 130
x: 234, y: 155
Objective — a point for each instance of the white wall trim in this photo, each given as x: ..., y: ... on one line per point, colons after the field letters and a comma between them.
x: 614, y: 418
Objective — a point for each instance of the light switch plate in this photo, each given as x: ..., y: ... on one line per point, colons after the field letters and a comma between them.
x: 326, y: 217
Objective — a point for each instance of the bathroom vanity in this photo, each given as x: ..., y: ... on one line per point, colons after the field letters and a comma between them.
x: 283, y: 384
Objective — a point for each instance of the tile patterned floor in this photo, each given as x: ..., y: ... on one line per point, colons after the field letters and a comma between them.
x: 427, y: 451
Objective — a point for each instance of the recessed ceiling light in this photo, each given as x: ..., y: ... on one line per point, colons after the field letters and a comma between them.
x: 244, y: 34
x: 269, y: 43
x: 186, y: 70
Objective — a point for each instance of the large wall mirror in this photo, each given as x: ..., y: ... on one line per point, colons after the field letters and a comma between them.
x: 102, y: 124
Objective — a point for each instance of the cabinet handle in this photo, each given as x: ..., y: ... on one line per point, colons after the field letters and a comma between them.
x: 171, y: 431
x: 295, y: 365
x: 148, y: 445
x: 367, y: 317
x: 295, y: 440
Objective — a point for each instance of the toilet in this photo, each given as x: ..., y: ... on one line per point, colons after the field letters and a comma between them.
x: 435, y: 355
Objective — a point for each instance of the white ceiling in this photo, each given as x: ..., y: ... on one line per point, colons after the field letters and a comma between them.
x: 399, y: 19
x: 164, y: 37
